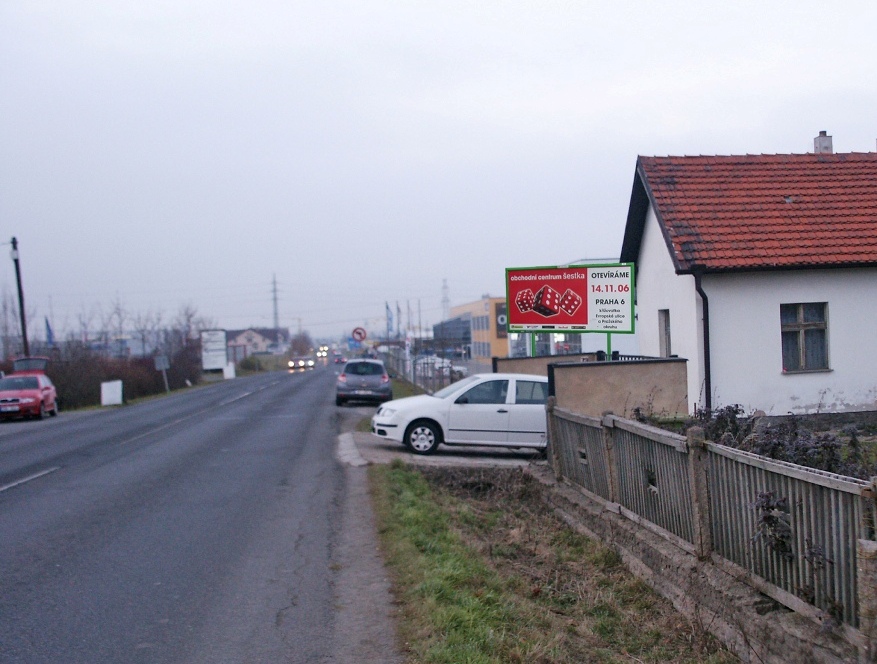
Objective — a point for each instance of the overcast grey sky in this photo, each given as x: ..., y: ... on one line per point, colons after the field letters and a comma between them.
x: 184, y: 152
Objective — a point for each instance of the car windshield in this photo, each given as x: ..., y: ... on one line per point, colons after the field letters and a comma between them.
x: 364, y: 369
x: 445, y: 392
x: 19, y: 383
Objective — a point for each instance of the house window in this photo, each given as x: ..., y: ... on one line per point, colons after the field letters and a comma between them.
x: 664, y: 332
x: 805, y: 336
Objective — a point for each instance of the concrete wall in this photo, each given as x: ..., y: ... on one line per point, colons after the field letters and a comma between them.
x: 754, y: 627
x: 658, y: 387
x: 537, y: 366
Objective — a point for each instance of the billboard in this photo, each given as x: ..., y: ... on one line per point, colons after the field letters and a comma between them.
x: 573, y: 298
x: 214, y: 351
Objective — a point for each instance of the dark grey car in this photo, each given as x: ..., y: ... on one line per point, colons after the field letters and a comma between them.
x: 363, y: 380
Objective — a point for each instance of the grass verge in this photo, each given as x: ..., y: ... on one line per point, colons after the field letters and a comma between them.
x: 484, y: 572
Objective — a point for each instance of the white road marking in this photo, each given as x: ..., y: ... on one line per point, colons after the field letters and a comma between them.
x: 29, y: 478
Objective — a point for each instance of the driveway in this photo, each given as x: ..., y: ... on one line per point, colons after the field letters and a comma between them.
x: 357, y: 448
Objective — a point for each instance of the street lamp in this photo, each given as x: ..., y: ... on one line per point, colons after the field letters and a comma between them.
x: 20, y: 297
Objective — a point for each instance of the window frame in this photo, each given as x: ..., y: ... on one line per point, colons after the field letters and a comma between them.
x: 800, y: 328
x: 665, y: 348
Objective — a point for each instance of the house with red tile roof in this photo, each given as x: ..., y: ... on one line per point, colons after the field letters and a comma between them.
x: 243, y: 343
x: 761, y: 271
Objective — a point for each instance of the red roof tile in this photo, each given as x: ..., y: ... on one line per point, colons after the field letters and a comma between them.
x: 766, y: 211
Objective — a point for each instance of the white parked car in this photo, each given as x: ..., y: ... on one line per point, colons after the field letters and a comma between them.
x: 504, y: 410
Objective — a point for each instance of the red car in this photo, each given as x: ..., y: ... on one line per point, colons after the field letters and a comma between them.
x: 28, y: 392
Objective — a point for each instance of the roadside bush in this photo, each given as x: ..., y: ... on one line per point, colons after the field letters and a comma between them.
x: 250, y: 363
x: 78, y: 373
x: 789, y: 440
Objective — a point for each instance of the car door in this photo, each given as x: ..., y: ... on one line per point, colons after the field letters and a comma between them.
x: 527, y: 419
x: 480, y: 415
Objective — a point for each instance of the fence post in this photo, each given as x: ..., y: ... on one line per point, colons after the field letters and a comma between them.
x: 866, y: 582
x: 697, y: 480
x: 611, y: 460
x: 551, y: 430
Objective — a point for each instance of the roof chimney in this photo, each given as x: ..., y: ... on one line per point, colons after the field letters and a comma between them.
x: 822, y: 143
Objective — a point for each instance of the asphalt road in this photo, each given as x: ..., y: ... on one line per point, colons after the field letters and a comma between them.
x: 207, y: 526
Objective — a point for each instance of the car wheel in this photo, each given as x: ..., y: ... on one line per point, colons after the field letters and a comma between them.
x: 42, y: 412
x: 422, y: 437
x: 54, y: 411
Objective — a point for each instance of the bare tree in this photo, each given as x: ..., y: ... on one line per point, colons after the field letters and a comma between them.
x: 146, y: 327
x: 301, y: 344
x: 8, y: 321
x: 117, y: 318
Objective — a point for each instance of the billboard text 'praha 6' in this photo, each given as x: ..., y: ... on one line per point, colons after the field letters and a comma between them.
x: 577, y: 298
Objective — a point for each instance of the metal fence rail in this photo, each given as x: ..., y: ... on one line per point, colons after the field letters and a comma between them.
x: 802, y: 550
x: 825, y: 515
x: 653, y: 479
x: 431, y: 376
x: 583, y: 458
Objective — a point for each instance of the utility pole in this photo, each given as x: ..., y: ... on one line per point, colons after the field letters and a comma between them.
x: 20, y: 297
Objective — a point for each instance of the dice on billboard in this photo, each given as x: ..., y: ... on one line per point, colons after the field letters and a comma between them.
x: 576, y: 298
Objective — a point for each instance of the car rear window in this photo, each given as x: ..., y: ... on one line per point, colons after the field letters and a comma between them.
x: 19, y: 383
x: 364, y: 368
x: 531, y: 392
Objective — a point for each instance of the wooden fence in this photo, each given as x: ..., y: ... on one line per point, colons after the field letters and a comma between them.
x: 803, y: 537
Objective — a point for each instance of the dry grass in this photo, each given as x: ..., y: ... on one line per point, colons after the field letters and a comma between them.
x: 564, y: 598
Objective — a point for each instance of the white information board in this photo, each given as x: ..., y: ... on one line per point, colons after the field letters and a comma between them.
x: 214, y: 350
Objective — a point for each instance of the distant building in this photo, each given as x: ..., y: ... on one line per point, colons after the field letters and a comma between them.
x: 487, y: 327
x: 454, y: 336
x: 243, y: 343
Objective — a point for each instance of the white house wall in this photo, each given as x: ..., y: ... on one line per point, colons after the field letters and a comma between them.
x: 746, y: 345
x: 659, y: 287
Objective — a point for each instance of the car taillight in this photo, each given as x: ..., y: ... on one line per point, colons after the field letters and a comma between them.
x: 385, y: 378
x: 342, y: 378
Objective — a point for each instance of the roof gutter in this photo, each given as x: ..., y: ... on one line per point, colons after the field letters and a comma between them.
x: 707, y: 370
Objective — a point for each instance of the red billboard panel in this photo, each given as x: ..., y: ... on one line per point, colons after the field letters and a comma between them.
x: 576, y: 298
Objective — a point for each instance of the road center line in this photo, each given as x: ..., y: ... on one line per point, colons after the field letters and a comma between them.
x: 29, y: 478
x: 190, y: 416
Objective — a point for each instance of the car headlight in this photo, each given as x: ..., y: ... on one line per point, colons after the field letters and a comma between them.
x: 27, y: 400
x: 386, y: 412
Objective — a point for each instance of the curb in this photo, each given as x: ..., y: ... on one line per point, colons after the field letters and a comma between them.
x: 348, y: 452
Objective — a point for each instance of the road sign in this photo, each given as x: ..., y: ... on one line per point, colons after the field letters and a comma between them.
x: 359, y: 333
